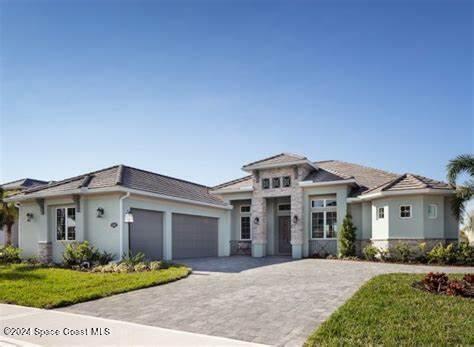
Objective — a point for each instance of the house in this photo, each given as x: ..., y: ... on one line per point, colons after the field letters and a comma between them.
x: 286, y: 205
x: 11, y: 188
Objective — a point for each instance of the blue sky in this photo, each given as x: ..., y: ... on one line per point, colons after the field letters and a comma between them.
x: 195, y: 89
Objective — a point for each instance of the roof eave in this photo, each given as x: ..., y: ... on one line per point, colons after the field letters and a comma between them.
x: 113, y: 189
x: 308, y: 184
x: 421, y: 191
x: 234, y: 190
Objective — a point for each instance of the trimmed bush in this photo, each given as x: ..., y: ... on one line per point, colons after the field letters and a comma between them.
x: 347, y: 237
x: 82, y: 254
x: 9, y: 254
x: 370, y: 252
x: 402, y: 252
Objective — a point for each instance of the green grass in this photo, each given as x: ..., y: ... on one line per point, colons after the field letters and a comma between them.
x: 388, y: 311
x: 54, y: 287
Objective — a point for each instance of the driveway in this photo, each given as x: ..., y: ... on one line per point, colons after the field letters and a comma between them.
x: 271, y: 300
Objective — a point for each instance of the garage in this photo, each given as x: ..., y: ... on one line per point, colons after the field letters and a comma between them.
x: 194, y: 236
x: 146, y: 233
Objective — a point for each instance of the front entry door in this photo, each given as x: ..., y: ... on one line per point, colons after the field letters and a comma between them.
x: 284, y: 235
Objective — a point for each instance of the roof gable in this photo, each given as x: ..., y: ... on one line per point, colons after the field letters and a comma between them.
x: 278, y: 160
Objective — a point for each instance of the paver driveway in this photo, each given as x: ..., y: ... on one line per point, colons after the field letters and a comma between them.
x: 270, y: 300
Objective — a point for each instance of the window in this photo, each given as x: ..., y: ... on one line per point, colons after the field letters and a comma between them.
x: 324, y: 219
x: 286, y: 181
x: 405, y: 211
x: 66, y: 224
x: 265, y: 183
x: 245, y: 228
x: 245, y: 208
x: 432, y: 211
x: 284, y: 207
x: 320, y: 203
x: 276, y: 182
x: 381, y: 213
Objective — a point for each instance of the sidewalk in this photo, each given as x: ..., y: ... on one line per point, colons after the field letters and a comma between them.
x: 53, y: 328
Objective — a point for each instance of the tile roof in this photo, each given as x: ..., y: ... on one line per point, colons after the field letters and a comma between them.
x: 277, y: 159
x: 129, y: 177
x: 366, y: 177
x: 408, y: 182
x: 235, y: 184
x: 23, y: 183
x: 323, y: 175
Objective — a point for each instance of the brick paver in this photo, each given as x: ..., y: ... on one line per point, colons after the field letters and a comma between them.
x: 271, y: 300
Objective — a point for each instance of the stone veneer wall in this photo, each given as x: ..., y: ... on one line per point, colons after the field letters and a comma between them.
x: 238, y: 247
x: 259, y: 208
x: 45, y: 252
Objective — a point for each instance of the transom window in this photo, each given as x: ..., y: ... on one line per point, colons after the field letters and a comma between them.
x: 245, y: 208
x: 405, y: 211
x: 321, y: 203
x: 276, y: 182
x: 324, y: 219
x: 381, y: 213
x: 66, y: 224
x: 284, y: 207
x: 265, y: 183
x: 286, y: 181
x: 432, y: 211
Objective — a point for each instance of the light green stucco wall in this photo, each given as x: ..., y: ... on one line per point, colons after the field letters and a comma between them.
x: 29, y: 236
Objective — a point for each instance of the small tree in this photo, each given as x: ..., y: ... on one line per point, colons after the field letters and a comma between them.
x: 8, y: 216
x: 347, y: 237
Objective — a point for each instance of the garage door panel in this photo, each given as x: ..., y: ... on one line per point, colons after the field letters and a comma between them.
x: 194, y: 236
x: 146, y: 233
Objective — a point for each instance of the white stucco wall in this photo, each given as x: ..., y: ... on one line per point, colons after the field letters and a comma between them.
x: 29, y: 236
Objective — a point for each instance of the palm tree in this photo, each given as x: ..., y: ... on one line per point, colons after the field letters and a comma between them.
x: 8, y: 216
x: 461, y: 164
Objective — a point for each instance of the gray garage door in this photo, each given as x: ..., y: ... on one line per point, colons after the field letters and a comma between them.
x: 146, y: 233
x: 194, y: 236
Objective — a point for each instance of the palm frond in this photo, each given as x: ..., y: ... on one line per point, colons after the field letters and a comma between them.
x: 462, y: 163
x: 463, y: 194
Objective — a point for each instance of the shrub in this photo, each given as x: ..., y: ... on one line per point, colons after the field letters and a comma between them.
x: 124, y: 267
x: 456, y: 287
x: 465, y: 254
x: 402, y: 252
x: 435, y: 282
x: 78, y: 254
x: 347, y: 236
x: 370, y: 252
x: 133, y: 259
x: 469, y: 278
x: 440, y: 254
x: 9, y: 254
x: 103, y: 258
x: 384, y: 255
x: 140, y: 267
x: 154, y: 265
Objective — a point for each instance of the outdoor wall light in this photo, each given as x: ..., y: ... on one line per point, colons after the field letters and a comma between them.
x: 295, y: 219
x: 29, y: 216
x: 256, y: 220
x: 128, y: 217
x: 100, y: 212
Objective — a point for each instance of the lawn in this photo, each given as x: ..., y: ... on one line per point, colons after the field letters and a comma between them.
x: 54, y: 287
x: 388, y: 311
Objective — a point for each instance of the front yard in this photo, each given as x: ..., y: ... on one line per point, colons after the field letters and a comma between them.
x: 43, y: 287
x: 388, y: 311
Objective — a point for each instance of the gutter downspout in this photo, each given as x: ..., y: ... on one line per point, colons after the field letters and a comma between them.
x: 121, y: 222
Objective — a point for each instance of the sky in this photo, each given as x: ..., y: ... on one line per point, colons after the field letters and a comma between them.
x: 196, y: 89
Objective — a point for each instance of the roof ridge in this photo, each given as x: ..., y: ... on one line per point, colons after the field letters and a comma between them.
x: 237, y: 180
x: 10, y: 182
x: 276, y: 156
x: 67, y: 180
x: 174, y: 178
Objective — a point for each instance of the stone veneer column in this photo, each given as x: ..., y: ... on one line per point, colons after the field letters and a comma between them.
x: 45, y: 251
x: 259, y: 230
x: 297, y: 213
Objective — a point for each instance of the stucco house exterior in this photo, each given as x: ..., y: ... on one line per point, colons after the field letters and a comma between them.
x: 11, y: 188
x: 286, y: 205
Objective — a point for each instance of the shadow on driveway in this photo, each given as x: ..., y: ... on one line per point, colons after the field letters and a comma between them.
x: 233, y: 264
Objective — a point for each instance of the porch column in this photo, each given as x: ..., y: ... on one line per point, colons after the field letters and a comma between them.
x: 297, y: 223
x: 258, y: 221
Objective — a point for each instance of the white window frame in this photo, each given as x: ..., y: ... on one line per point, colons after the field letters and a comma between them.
x: 400, y: 211
x: 325, y: 209
x: 379, y: 209
x: 435, y: 211
x: 65, y: 223
x: 247, y: 215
